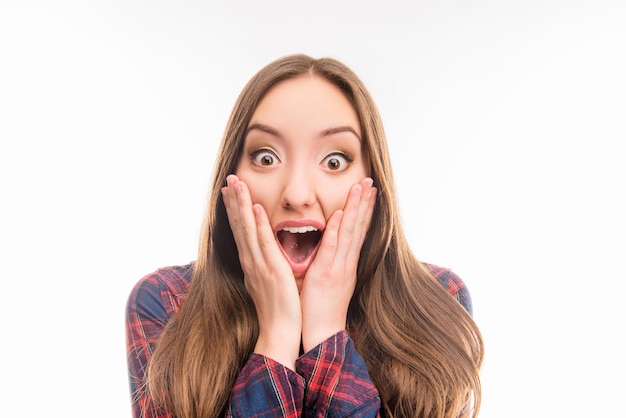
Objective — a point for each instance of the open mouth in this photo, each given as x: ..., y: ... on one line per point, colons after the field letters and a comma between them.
x: 299, y: 243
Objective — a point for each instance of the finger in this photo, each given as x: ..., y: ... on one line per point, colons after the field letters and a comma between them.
x: 266, y: 239
x: 224, y: 191
x: 326, y: 254
x: 364, y: 224
x: 233, y: 210
x: 360, y: 221
x: 349, y: 222
x: 364, y: 216
x: 248, y: 223
x: 243, y: 223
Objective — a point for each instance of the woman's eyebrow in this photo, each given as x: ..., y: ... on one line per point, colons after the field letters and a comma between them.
x: 326, y: 132
x: 338, y: 130
x: 263, y: 128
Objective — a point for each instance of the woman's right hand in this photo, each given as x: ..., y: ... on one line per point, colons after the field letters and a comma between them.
x: 268, y: 277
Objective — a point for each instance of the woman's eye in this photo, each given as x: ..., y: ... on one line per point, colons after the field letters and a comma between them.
x: 264, y: 158
x: 336, y: 162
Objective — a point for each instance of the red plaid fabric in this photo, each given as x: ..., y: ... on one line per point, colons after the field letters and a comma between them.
x: 330, y: 380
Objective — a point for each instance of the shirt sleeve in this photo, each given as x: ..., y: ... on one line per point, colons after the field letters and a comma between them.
x: 338, y: 384
x: 146, y: 316
x: 266, y: 388
x: 453, y: 284
x: 330, y: 381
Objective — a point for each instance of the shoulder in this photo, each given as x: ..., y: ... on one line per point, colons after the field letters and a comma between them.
x: 161, y: 293
x: 452, y: 283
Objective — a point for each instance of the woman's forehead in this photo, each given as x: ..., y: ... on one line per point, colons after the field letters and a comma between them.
x: 307, y: 102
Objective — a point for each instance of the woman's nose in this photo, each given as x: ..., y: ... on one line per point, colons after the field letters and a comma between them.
x: 298, y: 190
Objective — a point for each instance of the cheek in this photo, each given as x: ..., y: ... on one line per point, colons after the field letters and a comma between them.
x: 263, y: 189
x: 335, y: 197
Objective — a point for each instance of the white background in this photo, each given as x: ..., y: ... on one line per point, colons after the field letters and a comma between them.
x: 506, y: 122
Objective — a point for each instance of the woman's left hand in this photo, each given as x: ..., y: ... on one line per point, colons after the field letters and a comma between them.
x: 330, y: 280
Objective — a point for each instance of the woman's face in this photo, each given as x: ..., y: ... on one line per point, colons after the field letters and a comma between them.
x: 301, y: 155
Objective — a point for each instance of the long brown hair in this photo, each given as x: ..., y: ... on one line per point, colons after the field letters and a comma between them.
x: 422, y: 349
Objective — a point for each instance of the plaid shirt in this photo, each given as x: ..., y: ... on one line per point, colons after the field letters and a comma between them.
x: 330, y: 380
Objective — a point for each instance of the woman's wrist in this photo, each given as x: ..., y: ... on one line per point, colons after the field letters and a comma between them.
x: 316, y: 334
x: 281, y: 347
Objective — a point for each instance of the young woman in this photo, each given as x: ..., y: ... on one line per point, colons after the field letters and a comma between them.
x: 305, y: 298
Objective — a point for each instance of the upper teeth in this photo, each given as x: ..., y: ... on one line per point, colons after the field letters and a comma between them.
x: 300, y: 229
